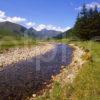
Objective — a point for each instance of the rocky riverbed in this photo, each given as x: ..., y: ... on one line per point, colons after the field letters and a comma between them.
x: 67, y: 73
x: 15, y: 55
x: 26, y: 70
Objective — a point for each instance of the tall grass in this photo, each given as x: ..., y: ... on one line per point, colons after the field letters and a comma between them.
x: 86, y: 85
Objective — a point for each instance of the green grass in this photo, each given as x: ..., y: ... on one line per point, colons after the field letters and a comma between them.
x: 86, y: 85
x: 11, y: 40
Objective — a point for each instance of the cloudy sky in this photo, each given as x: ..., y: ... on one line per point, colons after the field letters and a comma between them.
x: 51, y: 14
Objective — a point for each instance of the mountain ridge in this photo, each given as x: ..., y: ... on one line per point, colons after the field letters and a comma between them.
x: 20, y: 30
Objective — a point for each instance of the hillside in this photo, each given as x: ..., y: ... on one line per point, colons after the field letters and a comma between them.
x: 43, y: 34
x: 14, y: 29
x: 12, y: 35
x: 47, y: 33
x: 66, y: 34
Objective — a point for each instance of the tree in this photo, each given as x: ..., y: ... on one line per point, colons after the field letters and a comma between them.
x: 96, y: 10
x: 90, y: 13
x: 83, y: 12
x: 88, y: 23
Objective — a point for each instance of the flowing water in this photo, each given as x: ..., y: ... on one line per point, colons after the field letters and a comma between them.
x: 26, y: 77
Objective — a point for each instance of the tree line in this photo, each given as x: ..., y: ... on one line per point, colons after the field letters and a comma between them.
x: 87, y: 25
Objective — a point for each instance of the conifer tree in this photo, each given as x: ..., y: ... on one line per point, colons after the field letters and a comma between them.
x: 87, y: 25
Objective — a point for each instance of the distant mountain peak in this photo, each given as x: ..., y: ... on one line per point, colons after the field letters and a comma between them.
x: 22, y: 31
x: 31, y: 28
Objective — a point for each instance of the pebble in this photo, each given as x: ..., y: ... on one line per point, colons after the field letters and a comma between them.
x: 34, y: 95
x: 18, y: 54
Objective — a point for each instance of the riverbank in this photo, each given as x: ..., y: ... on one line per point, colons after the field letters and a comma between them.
x: 22, y: 79
x: 15, y: 55
x: 69, y: 73
x: 78, y: 80
x: 85, y: 85
x: 66, y: 75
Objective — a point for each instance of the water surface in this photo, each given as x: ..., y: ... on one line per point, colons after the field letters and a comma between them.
x: 26, y: 77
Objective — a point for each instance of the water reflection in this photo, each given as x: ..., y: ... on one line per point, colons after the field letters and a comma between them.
x: 23, y: 78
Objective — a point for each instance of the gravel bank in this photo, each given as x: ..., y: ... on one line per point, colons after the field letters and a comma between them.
x: 21, y: 79
x: 18, y: 54
x: 67, y: 74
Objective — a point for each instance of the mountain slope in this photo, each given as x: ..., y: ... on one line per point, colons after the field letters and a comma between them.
x: 66, y: 34
x: 47, y: 33
x: 12, y: 34
x: 13, y: 28
x: 31, y: 32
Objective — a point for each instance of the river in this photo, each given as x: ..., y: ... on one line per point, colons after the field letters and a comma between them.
x: 26, y: 77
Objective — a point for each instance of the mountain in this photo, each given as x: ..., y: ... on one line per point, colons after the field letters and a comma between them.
x: 43, y: 34
x: 12, y: 29
x: 47, y: 33
x: 16, y: 29
x: 31, y: 32
x: 65, y: 34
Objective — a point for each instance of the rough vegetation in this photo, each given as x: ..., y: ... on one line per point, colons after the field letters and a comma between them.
x: 9, y: 39
x: 86, y: 84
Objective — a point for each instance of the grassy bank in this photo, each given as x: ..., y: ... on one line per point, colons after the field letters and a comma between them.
x: 86, y: 85
x: 8, y: 43
x: 10, y: 39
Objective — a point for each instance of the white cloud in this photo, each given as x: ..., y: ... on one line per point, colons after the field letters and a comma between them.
x: 78, y: 8
x: 90, y: 5
x: 2, y: 20
x: 93, y: 4
x: 50, y: 27
x: 40, y: 27
x: 30, y: 24
x: 20, y: 20
x: 15, y: 19
x: 4, y: 17
x: 2, y: 14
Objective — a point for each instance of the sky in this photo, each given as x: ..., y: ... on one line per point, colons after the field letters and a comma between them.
x: 50, y: 14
